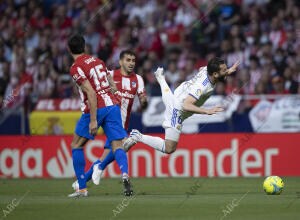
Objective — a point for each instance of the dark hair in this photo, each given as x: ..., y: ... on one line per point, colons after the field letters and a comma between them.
x: 76, y: 44
x: 126, y: 52
x: 214, y: 65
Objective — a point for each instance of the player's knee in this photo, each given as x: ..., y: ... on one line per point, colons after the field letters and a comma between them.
x: 75, y: 145
x: 116, y: 145
x: 170, y: 148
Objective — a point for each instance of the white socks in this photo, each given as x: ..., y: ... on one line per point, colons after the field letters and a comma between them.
x: 166, y: 92
x: 155, y: 142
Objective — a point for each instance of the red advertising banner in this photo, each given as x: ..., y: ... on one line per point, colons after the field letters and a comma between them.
x: 221, y: 155
x: 58, y: 105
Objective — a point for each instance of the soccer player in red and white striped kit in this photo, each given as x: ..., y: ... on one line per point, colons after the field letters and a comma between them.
x: 129, y: 85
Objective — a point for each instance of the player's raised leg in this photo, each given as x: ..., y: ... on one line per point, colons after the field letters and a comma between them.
x: 156, y: 142
x: 167, y: 145
x: 170, y: 143
x: 167, y: 94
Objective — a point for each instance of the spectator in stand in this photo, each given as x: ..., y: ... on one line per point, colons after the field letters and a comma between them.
x: 263, y: 35
x: 174, y: 32
x: 279, y: 60
x: 244, y: 86
x: 255, y: 72
x: 290, y: 84
x: 2, y: 59
x: 141, y: 9
x: 278, y: 85
x: 260, y: 88
x: 225, y: 48
x: 230, y: 86
x: 4, y: 80
x: 189, y: 69
x: 265, y: 78
x: 44, y: 86
x: 92, y: 37
x: 19, y: 88
x: 237, y: 53
x: 186, y: 14
x: 152, y: 87
x: 172, y: 74
x: 229, y: 14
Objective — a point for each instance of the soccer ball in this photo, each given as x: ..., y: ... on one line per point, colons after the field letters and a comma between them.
x: 273, y: 185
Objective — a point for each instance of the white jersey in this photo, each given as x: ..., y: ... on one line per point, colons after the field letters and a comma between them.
x: 199, y: 87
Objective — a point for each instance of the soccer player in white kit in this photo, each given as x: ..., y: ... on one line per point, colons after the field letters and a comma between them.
x: 186, y: 101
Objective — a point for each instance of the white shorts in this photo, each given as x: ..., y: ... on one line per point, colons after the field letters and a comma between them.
x: 172, y: 122
x: 172, y: 134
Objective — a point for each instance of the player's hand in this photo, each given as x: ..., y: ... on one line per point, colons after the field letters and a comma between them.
x: 214, y: 110
x: 233, y: 68
x: 93, y: 127
x: 159, y: 71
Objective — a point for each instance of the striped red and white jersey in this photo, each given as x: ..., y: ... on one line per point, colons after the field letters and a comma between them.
x: 86, y: 67
x: 128, y: 87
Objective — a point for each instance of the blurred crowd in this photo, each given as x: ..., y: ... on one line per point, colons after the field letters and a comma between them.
x: 178, y: 35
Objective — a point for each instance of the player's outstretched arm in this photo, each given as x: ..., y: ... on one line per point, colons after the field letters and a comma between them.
x: 189, y: 105
x: 214, y: 110
x: 92, y: 98
x: 233, y: 68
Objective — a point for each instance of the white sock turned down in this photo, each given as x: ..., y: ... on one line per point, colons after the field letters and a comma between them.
x: 155, y: 142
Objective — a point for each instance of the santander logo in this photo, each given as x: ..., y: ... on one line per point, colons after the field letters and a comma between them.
x: 61, y: 165
x: 52, y: 158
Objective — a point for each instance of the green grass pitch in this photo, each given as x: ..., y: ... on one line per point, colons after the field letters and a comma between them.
x: 165, y: 198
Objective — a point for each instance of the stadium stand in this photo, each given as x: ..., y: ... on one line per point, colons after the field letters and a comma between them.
x: 178, y: 35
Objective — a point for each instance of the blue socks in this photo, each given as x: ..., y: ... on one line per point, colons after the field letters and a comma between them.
x: 89, y: 173
x: 121, y: 158
x: 79, y: 164
x: 107, y: 160
x: 102, y: 165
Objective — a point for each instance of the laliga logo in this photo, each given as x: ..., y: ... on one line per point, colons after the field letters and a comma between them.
x: 62, y: 164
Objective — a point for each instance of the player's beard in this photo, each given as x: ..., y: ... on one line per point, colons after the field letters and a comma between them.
x: 128, y: 69
x: 222, y: 79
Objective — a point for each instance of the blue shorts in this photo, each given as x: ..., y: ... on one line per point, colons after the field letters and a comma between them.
x: 109, y: 118
x: 107, y: 144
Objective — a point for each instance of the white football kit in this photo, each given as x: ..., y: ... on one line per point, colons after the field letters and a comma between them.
x: 199, y: 87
